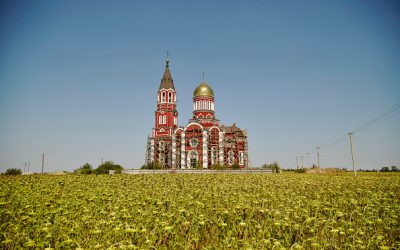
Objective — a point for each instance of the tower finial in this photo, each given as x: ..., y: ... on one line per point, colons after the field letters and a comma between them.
x: 167, y: 59
x: 203, y: 77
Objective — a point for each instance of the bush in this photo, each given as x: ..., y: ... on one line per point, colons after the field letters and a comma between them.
x: 235, y: 166
x: 218, y: 167
x: 152, y: 165
x: 13, y: 171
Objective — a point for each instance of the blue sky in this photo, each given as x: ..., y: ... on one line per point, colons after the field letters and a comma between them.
x: 78, y: 79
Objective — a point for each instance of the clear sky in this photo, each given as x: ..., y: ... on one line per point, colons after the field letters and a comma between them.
x: 78, y: 79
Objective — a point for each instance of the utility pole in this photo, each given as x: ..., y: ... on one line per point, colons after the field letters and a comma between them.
x: 102, y: 157
x: 297, y: 163
x: 24, y: 167
x: 42, y: 162
x: 352, y: 153
x: 307, y: 159
x: 319, y: 167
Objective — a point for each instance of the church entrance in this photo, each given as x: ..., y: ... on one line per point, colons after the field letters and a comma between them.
x: 193, y: 163
x: 193, y: 159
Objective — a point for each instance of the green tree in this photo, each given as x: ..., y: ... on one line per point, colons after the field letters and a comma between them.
x: 13, y: 171
x: 273, y: 166
x: 85, y: 169
x: 385, y: 169
x: 108, y: 165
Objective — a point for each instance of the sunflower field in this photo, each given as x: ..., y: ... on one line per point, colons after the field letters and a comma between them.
x: 200, y: 211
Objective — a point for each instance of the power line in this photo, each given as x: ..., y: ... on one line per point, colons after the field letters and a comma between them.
x: 378, y: 119
x: 373, y: 122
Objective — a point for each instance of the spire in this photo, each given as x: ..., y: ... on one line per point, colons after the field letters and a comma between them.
x: 203, y: 78
x: 167, y: 60
x: 166, y: 81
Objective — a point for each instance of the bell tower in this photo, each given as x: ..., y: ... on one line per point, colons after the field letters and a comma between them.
x: 166, y: 115
x: 159, y: 146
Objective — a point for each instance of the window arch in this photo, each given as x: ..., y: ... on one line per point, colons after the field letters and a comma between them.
x: 160, y: 119
x: 164, y: 119
x: 204, y: 105
x: 169, y: 97
x: 163, y: 97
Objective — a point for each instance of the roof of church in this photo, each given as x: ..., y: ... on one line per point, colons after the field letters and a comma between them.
x: 232, y: 130
x: 203, y: 90
x: 166, y: 80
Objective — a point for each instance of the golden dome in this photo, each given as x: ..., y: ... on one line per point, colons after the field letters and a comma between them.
x: 203, y: 90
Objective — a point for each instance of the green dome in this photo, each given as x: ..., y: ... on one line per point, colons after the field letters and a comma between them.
x: 203, y: 90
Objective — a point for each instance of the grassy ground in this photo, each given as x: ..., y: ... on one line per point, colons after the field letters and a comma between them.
x: 181, y: 211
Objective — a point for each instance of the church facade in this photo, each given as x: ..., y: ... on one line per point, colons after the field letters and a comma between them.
x: 202, y: 142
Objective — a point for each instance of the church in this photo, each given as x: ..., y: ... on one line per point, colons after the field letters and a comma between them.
x: 202, y: 142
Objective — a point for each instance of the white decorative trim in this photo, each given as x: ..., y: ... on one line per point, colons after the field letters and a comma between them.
x: 152, y: 149
x: 167, y: 89
x: 193, y: 123
x: 183, y: 150
x: 205, y: 149
x: 241, y: 157
x: 176, y: 130
x: 221, y: 147
x: 215, y: 127
x: 173, y: 150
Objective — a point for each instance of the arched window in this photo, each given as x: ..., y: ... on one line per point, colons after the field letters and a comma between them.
x: 163, y: 97
x: 160, y: 119
x: 164, y: 119
x: 204, y: 105
x: 212, y: 106
x: 169, y: 97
